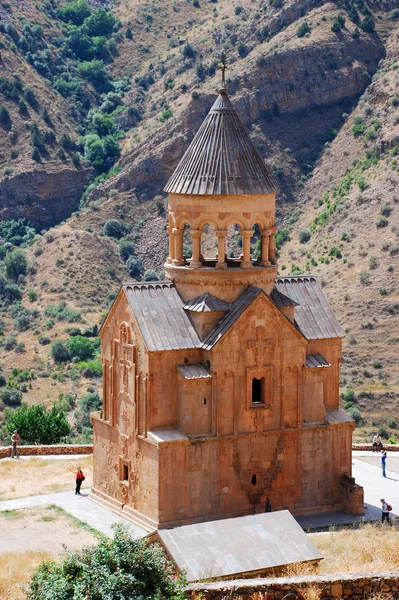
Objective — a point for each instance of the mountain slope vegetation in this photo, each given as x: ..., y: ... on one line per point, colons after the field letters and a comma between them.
x: 98, y: 102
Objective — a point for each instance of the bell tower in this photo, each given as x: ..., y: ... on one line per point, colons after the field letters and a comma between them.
x: 221, y: 182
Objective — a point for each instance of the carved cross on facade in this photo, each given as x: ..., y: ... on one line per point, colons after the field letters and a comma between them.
x: 125, y: 360
x: 260, y: 345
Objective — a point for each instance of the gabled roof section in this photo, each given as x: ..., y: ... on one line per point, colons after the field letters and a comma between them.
x: 313, y: 315
x: 207, y: 303
x: 196, y: 371
x: 316, y: 361
x: 158, y: 310
x: 221, y: 159
x: 228, y: 320
x: 281, y: 300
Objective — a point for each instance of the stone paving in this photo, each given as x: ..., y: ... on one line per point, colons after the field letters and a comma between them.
x: 366, y: 474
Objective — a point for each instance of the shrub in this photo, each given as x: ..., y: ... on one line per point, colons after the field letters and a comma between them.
x: 134, y: 266
x: 381, y: 222
x: 304, y: 235
x: 238, y: 10
x: 15, y: 264
x: 188, y: 51
x: 30, y: 97
x: 129, y: 34
x: 44, y: 340
x: 11, y: 397
x: 349, y: 395
x: 391, y: 423
x: 373, y: 262
x: 303, y: 29
x: 100, y: 23
x: 81, y: 347
x: 364, y: 277
x: 88, y: 403
x: 367, y: 24
x: 126, y: 249
x: 114, y: 228
x: 5, y: 118
x: 358, y: 127
x: 120, y: 568
x: 60, y: 351
x: 62, y: 312
x: 32, y: 295
x: 165, y: 115
x: 75, y: 12
x: 90, y: 368
x: 36, y: 425
x: 383, y: 432
x: 355, y: 413
x: 150, y: 275
x: 94, y: 72
x: 377, y: 364
x: 386, y: 210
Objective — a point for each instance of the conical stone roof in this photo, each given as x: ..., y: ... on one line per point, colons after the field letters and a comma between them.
x: 221, y: 159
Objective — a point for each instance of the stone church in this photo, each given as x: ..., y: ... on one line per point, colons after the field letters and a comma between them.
x: 221, y: 384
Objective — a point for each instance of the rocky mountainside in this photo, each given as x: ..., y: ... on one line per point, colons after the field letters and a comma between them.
x: 98, y: 102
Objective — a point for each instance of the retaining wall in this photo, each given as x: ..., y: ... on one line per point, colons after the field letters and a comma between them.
x: 5, y: 451
x: 356, y: 586
x: 387, y: 447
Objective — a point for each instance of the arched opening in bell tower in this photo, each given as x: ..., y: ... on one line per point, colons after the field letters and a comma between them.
x: 234, y: 245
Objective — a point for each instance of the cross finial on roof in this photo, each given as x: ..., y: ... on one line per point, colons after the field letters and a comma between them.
x: 223, y: 61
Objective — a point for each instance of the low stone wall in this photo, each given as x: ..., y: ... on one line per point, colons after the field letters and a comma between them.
x: 357, y: 586
x: 5, y: 451
x: 387, y: 447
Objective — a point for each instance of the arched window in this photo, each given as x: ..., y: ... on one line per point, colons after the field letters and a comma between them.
x: 233, y: 244
x: 209, y: 243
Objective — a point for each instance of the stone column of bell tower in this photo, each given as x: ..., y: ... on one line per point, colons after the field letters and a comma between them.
x: 221, y: 180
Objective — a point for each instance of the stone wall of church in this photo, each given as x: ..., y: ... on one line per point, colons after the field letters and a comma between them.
x: 331, y: 349
x: 233, y: 475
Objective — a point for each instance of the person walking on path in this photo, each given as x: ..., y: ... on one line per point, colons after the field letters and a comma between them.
x: 386, y: 508
x: 268, y: 507
x: 384, y: 463
x: 15, y: 439
x: 79, y: 479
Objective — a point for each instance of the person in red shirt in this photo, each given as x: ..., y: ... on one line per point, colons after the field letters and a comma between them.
x: 79, y: 479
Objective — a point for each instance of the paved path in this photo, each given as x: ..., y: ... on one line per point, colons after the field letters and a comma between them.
x: 78, y: 506
x: 366, y: 474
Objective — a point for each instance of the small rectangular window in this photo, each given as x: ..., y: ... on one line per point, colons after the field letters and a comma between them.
x: 258, y: 386
x: 125, y: 473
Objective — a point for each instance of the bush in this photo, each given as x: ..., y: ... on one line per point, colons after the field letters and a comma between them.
x: 30, y: 97
x: 5, y: 118
x: 367, y: 24
x: 355, y: 414
x: 94, y: 72
x: 90, y: 368
x: 377, y: 364
x: 134, y: 266
x: 81, y: 347
x: 150, y: 275
x: 383, y: 432
x: 381, y: 222
x: 100, y: 23
x: 114, y: 228
x: 391, y: 423
x: 15, y: 264
x: 364, y: 277
x: 44, y: 340
x: 303, y: 29
x: 386, y: 210
x: 126, y: 249
x: 122, y: 568
x: 75, y: 12
x: 349, y: 395
x: 60, y: 351
x: 304, y: 235
x: 88, y: 403
x: 188, y: 51
x: 62, y: 312
x: 32, y: 295
x: 36, y: 425
x: 11, y: 397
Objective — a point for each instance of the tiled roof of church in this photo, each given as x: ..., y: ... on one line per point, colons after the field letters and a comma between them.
x: 159, y: 313
x: 231, y: 317
x: 221, y: 159
x: 313, y: 315
x: 207, y: 303
x: 316, y: 361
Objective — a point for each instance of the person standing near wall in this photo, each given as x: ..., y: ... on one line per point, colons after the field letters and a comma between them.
x: 15, y: 439
x: 79, y: 479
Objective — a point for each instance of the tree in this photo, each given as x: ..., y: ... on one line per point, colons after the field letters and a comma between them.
x: 114, y: 228
x: 150, y: 275
x: 16, y: 264
x: 100, y: 23
x: 5, y: 118
x: 304, y: 235
x: 121, y: 568
x: 126, y: 249
x: 75, y: 12
x: 94, y: 72
x: 81, y: 347
x: 134, y: 266
x: 60, y: 351
x: 88, y: 403
x: 36, y: 425
x: 11, y: 397
x: 367, y: 24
